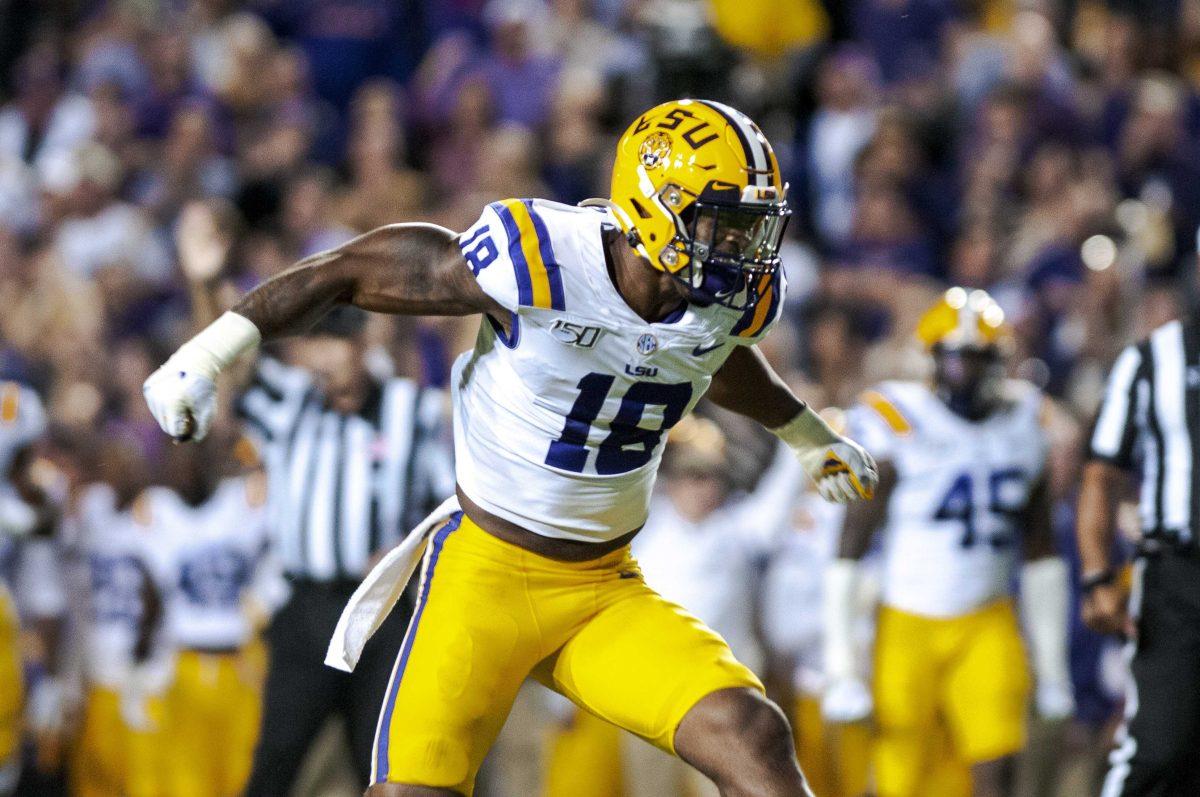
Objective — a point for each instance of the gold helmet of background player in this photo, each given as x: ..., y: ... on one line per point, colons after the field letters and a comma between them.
x: 697, y: 190
x: 961, y: 319
x: 966, y: 335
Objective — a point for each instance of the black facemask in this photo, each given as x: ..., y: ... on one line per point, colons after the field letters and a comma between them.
x: 733, y: 251
x: 968, y: 380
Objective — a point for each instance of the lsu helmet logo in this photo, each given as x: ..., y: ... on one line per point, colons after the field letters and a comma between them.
x: 655, y: 150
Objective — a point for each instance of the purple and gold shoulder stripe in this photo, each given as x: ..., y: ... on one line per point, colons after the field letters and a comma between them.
x: 539, y: 281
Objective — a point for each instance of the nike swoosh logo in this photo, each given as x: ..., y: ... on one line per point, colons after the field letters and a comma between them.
x: 699, y: 351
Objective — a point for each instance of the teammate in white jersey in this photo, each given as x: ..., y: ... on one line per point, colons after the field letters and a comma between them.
x: 28, y: 517
x: 123, y: 667
x: 963, y: 498
x: 835, y: 756
x: 603, y: 326
x: 217, y: 581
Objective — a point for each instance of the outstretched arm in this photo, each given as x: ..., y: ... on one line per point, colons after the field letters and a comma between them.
x: 746, y: 384
x: 413, y: 269
x: 407, y: 269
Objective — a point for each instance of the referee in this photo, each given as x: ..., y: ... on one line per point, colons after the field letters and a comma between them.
x: 352, y: 463
x: 1150, y: 422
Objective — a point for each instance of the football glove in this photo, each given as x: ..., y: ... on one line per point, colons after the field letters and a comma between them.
x: 182, y: 394
x: 842, y: 470
x: 182, y: 401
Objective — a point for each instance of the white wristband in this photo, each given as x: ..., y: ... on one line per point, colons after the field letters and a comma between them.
x: 806, y: 430
x: 1045, y: 604
x: 218, y: 345
x: 839, y: 610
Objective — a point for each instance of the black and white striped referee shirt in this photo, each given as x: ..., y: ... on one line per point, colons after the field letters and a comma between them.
x: 1150, y: 420
x: 342, y: 487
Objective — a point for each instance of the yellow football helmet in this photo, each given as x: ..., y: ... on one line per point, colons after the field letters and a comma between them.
x: 963, y: 319
x: 967, y: 337
x: 697, y: 190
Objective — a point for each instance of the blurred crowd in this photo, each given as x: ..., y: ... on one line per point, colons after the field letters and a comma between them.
x: 1047, y: 151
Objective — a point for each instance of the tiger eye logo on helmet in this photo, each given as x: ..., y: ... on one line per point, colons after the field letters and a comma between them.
x: 655, y: 150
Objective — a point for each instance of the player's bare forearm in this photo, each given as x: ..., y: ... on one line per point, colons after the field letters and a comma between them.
x: 748, y: 385
x: 863, y: 518
x: 1096, y: 514
x: 409, y: 269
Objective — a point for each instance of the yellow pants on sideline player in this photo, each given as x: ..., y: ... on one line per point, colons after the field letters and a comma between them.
x: 583, y: 759
x: 211, y: 723
x: 490, y: 613
x: 110, y: 758
x: 836, y: 761
x: 963, y: 679
x: 11, y: 692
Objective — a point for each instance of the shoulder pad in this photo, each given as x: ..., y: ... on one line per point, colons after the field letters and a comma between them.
x: 886, y: 409
x: 539, y: 281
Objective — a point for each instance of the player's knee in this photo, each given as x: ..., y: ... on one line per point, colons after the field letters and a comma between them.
x: 765, y: 729
x: 745, y: 726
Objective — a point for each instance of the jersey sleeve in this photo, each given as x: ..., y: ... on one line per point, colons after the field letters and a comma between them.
x: 22, y: 417
x: 511, y: 254
x: 1115, y: 430
x: 756, y: 321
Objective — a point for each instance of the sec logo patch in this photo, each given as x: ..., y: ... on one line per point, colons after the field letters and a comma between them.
x: 646, y: 344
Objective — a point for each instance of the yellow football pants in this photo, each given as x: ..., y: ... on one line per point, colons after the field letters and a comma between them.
x: 211, y: 726
x: 835, y: 760
x: 110, y: 758
x: 964, y: 679
x: 583, y: 759
x: 11, y: 681
x: 489, y: 614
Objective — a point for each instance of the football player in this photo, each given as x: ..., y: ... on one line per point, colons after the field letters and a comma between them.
x: 962, y: 498
x: 835, y: 757
x: 217, y: 581
x: 124, y: 671
x: 602, y: 327
x: 26, y: 512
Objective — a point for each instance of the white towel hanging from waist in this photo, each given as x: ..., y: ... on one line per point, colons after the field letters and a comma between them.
x: 375, y: 597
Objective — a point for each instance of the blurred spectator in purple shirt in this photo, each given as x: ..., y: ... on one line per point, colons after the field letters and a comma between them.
x: 171, y: 84
x: 522, y: 81
x: 897, y: 31
x: 886, y: 234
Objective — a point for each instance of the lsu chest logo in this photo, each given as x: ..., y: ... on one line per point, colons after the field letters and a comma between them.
x: 574, y: 334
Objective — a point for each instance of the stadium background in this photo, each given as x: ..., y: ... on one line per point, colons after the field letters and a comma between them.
x: 1046, y: 151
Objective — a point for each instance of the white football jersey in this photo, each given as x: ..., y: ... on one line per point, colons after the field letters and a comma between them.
x: 952, y: 538
x: 804, y: 542
x: 112, y: 548
x: 30, y: 572
x: 22, y: 422
x: 559, y: 425
x: 207, y: 559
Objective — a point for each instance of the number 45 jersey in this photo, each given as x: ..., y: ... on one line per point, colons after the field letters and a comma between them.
x: 559, y: 423
x: 953, y: 532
